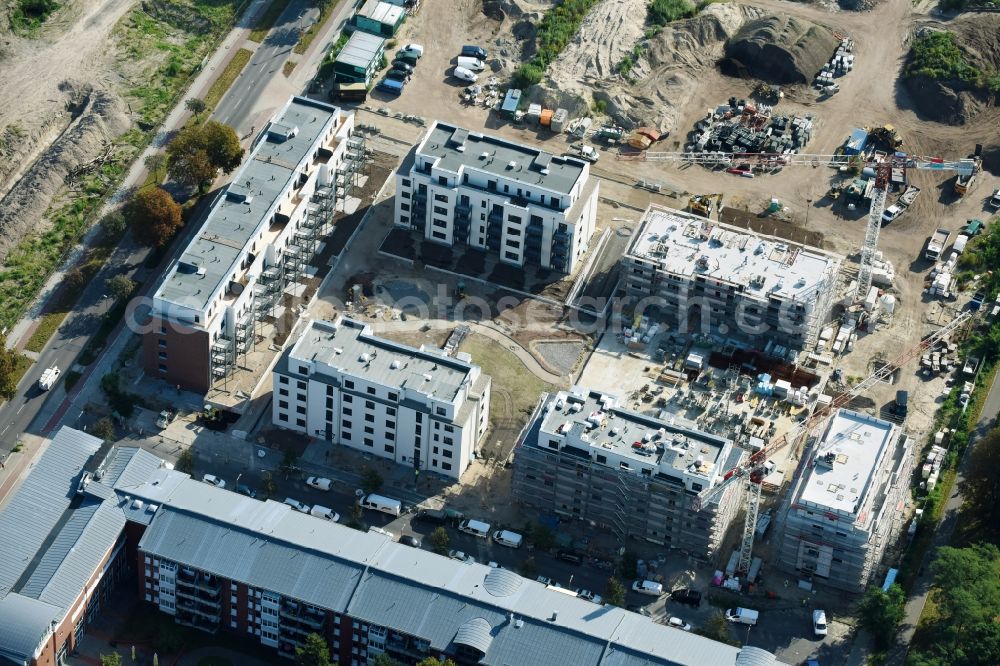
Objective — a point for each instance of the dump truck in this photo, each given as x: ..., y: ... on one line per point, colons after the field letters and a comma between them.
x: 936, y: 244
x: 963, y: 183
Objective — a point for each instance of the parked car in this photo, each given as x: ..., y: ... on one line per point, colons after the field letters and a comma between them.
x: 544, y: 580
x: 641, y: 610
x: 650, y: 587
x: 325, y: 513
x: 165, y: 418
x: 472, y: 51
x: 402, y: 65
x: 411, y: 541
x: 687, y: 597
x: 391, y: 86
x: 679, y: 624
x: 413, y: 49
x: 464, y: 74
x: 474, y: 64
x: 297, y: 505
x: 431, y: 517
x: 570, y: 556
x: 994, y: 202
x: 213, y: 480
x: 397, y: 75
x: 819, y: 622
x: 318, y: 482
x: 244, y: 489
x: 460, y: 556
x: 590, y: 596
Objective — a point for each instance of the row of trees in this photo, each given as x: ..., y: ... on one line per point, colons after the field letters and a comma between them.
x: 315, y: 653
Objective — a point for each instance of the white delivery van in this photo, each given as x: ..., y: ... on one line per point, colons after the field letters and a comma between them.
x: 465, y: 74
x: 960, y: 243
x: 318, y: 482
x: 471, y: 64
x: 384, y: 504
x: 323, y: 512
x: 650, y: 587
x: 507, y: 538
x: 742, y: 615
x: 475, y: 528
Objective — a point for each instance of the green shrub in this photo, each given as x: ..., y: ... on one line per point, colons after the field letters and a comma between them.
x: 555, y: 30
x: 528, y: 74
x: 662, y: 12
x: 31, y: 14
x: 937, y: 55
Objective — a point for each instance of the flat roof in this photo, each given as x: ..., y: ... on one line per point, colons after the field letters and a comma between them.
x: 239, y: 213
x: 688, y: 245
x: 352, y: 348
x: 456, y: 148
x: 361, y: 49
x: 846, y: 461
x: 511, y: 619
x: 383, y: 12
x: 596, y: 419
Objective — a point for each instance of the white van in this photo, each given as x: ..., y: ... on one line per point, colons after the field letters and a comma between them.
x: 742, y: 615
x: 471, y: 64
x: 464, y: 74
x: 475, y: 528
x: 379, y: 503
x: 323, y: 512
x: 650, y: 587
x: 507, y: 538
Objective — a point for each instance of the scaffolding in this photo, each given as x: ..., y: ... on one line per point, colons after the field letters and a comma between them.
x: 354, y: 164
x: 223, y: 357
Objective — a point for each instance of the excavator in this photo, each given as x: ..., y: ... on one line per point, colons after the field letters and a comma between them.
x: 701, y: 204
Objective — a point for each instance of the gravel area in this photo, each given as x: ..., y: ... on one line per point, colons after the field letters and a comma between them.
x: 560, y: 356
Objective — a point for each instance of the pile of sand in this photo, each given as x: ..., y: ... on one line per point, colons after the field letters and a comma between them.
x: 781, y: 49
x: 955, y: 101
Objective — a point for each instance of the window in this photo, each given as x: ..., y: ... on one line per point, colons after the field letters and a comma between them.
x: 440, y: 210
x: 303, y: 370
x: 435, y: 450
x: 404, y: 194
x: 393, y: 396
x: 441, y: 197
x: 346, y: 398
x: 348, y: 384
x: 440, y: 411
x: 329, y: 390
x: 369, y: 404
x: 369, y: 441
x: 439, y: 223
x: 406, y: 182
x: 162, y: 343
x: 163, y: 356
x: 419, y: 429
x: 404, y: 206
x: 300, y: 423
x: 346, y: 425
x: 513, y: 231
x: 390, y: 424
x: 390, y: 436
x: 446, y: 466
x: 300, y: 409
x: 404, y: 219
x: 514, y: 218
x: 390, y: 411
x: 437, y: 437
x: 282, y: 379
x: 329, y: 415
x: 446, y: 453
x: 329, y: 403
x: 464, y: 200
x: 283, y: 417
x: 449, y: 428
x: 370, y: 418
x: 348, y: 411
x: 301, y: 385
x: 282, y: 404
x: 439, y: 235
x: 283, y: 392
x: 449, y: 440
x: 369, y: 430
x: 442, y: 180
x: 513, y: 243
x: 390, y: 449
x: 510, y: 255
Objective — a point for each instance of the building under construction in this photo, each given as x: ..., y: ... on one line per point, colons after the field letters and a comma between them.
x: 586, y: 458
x: 847, y: 506
x: 706, y: 277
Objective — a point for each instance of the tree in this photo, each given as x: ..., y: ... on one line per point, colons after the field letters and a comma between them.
x: 113, y: 226
x: 267, y: 485
x: 384, y: 660
x: 185, y: 462
x: 157, y: 164
x: 529, y: 568
x: 104, y: 429
x: 542, y: 537
x: 371, y: 480
x: 357, y: 517
x: 629, y: 566
x: 717, y: 628
x: 440, y: 541
x: 614, y: 592
x: 153, y: 216
x: 196, y: 154
x: 113, y: 659
x: 433, y: 661
x: 195, y: 106
x: 880, y: 613
x: 313, y: 653
x: 119, y: 287
x: 982, y: 483
x: 8, y: 372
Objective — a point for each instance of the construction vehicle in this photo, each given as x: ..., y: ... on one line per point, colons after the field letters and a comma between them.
x: 936, y: 244
x: 883, y: 164
x: 904, y: 202
x: 701, y: 204
x: 583, y: 152
x: 753, y: 470
x: 767, y: 93
x: 964, y: 182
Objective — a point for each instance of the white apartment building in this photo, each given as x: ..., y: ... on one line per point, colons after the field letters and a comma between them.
x: 255, y: 242
x: 848, y: 504
x: 417, y: 407
x: 523, y: 205
x: 700, y: 274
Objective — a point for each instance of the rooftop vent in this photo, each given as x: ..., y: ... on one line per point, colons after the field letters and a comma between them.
x: 364, y: 358
x: 394, y: 364
x: 511, y: 164
x: 483, y: 155
x: 555, y: 616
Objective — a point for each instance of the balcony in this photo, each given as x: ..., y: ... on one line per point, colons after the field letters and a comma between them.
x: 196, y: 621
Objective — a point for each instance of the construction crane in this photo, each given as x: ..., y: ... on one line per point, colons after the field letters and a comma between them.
x: 752, y: 470
x: 883, y: 164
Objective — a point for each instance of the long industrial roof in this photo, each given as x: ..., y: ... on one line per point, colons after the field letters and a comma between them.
x: 361, y: 49
x: 239, y: 214
x: 455, y: 149
x: 351, y: 347
x: 369, y: 577
x: 62, y: 536
x: 688, y: 245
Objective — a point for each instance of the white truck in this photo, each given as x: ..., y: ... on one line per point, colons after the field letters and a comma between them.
x: 742, y: 615
x: 936, y: 244
x: 49, y: 378
x: 905, y: 201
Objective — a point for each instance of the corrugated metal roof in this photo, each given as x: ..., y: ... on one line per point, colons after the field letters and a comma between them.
x: 475, y: 633
x: 755, y: 656
x: 502, y: 582
x: 26, y: 623
x: 38, y: 505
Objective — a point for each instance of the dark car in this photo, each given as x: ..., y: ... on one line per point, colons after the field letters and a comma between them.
x: 469, y: 51
x: 641, y: 610
x: 900, y: 405
x: 402, y: 65
x: 431, y: 517
x: 570, y: 556
x: 244, y: 489
x: 411, y: 541
x: 398, y: 75
x: 686, y: 596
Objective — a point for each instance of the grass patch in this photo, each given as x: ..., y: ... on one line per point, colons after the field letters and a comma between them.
x: 51, y: 321
x: 936, y: 55
x: 662, y: 12
x: 267, y: 20
x: 288, y: 67
x: 228, y: 76
x: 27, y: 16
x: 23, y: 363
x: 509, y: 374
x: 325, y: 10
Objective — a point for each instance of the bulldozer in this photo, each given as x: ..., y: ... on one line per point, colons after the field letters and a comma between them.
x: 701, y: 204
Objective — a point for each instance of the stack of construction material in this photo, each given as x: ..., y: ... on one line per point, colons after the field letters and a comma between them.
x: 745, y: 127
x: 840, y: 64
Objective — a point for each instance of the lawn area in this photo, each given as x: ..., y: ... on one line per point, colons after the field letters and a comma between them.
x: 23, y: 363
x: 288, y: 67
x: 267, y: 20
x: 49, y: 324
x: 225, y: 80
x: 325, y: 11
x: 508, y: 372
